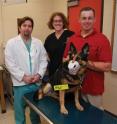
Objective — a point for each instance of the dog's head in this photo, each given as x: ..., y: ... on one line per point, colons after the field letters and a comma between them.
x: 77, y: 61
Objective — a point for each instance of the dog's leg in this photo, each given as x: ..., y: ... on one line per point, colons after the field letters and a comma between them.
x: 62, y: 102
x: 78, y: 106
x: 40, y: 94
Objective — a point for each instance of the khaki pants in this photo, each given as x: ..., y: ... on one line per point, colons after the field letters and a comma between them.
x: 93, y: 100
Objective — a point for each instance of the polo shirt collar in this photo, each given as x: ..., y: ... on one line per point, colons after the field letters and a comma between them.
x: 79, y: 33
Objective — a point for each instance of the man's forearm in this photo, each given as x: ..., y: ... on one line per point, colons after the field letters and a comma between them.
x: 99, y: 66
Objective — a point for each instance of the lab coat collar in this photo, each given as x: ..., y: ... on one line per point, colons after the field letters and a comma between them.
x: 22, y: 42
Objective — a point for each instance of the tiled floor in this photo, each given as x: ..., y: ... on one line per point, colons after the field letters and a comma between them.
x: 8, y: 117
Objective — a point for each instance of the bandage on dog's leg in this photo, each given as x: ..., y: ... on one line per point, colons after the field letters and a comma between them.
x: 47, y: 88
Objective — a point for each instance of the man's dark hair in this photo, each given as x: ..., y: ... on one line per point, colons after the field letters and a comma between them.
x: 87, y: 9
x: 26, y: 18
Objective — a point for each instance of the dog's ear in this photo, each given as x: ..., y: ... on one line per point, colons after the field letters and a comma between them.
x: 85, y: 51
x: 72, y: 50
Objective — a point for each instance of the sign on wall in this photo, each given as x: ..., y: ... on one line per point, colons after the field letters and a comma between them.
x: 13, y: 1
x: 72, y: 3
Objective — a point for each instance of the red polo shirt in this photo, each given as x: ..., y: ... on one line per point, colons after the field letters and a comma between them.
x: 99, y: 51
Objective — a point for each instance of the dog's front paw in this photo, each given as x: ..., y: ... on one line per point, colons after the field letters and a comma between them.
x: 79, y: 107
x: 40, y: 96
x: 64, y: 110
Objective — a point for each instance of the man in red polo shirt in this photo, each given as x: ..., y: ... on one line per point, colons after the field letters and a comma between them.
x: 99, y: 59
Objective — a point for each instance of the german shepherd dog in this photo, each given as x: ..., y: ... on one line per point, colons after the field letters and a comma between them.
x: 71, y: 72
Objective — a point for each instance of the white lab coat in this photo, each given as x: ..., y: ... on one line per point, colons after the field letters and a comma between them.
x: 17, y: 59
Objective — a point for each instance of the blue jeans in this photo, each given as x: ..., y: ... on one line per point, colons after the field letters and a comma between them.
x: 20, y: 104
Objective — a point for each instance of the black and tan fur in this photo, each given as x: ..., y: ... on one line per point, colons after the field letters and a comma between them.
x: 62, y: 76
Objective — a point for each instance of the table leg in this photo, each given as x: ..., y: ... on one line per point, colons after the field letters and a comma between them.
x: 2, y: 98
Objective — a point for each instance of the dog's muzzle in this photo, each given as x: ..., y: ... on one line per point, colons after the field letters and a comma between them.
x: 73, y: 67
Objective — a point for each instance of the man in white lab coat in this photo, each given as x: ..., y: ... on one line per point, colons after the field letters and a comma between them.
x: 26, y: 60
